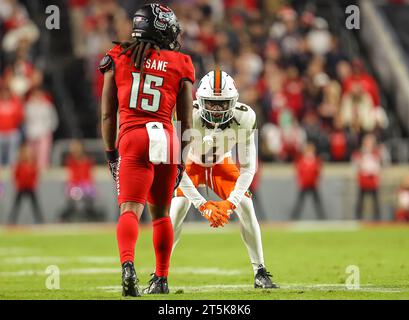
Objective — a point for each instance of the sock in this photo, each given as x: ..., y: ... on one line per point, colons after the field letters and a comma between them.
x: 250, y: 232
x: 127, y: 234
x: 178, y: 211
x: 162, y: 243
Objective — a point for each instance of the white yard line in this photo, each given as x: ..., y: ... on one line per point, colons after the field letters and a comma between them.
x: 243, y: 287
x: 56, y: 260
x: 10, y: 251
x: 323, y: 226
x: 199, y: 271
x: 79, y: 271
x: 196, y: 227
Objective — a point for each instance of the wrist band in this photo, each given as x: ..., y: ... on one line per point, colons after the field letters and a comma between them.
x: 112, y: 155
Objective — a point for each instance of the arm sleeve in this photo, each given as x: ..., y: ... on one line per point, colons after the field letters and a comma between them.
x: 248, y: 162
x: 190, y: 191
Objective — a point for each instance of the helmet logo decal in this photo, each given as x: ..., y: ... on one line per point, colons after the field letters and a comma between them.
x: 163, y: 16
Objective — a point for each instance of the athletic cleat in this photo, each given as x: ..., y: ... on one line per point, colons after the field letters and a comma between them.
x: 130, y: 281
x: 157, y: 285
x: 262, y: 279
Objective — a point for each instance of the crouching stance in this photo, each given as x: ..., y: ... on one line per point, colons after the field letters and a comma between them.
x: 219, y: 124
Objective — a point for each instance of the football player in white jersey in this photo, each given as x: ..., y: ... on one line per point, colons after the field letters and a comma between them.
x: 220, y: 123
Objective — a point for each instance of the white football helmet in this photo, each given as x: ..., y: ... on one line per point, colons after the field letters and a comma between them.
x: 217, y: 96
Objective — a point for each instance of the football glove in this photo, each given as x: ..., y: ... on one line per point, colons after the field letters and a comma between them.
x: 113, y: 162
x: 181, y: 169
x: 225, y: 207
x: 212, y: 213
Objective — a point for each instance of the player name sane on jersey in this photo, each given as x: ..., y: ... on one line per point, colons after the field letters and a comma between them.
x: 156, y: 65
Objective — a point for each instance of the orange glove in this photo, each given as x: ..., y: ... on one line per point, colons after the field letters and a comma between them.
x: 225, y: 207
x: 213, y: 214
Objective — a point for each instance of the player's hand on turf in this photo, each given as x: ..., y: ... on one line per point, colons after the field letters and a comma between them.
x: 113, y: 162
x: 212, y: 213
x: 181, y: 169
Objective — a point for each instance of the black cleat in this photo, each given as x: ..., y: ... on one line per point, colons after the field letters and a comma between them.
x: 157, y: 285
x: 262, y: 279
x: 130, y: 281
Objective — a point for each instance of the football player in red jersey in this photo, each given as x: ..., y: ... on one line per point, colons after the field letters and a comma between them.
x: 144, y: 80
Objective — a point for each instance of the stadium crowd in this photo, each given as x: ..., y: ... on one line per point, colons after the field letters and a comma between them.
x: 287, y: 64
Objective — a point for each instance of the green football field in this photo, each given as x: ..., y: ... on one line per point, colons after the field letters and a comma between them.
x: 308, y: 260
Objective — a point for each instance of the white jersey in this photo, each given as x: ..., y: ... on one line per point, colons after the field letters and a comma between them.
x: 211, y: 146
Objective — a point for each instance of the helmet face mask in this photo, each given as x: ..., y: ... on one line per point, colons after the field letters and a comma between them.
x: 217, y: 111
x: 217, y: 96
x: 158, y: 24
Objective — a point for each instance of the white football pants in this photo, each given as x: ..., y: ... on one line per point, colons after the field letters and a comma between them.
x: 249, y: 227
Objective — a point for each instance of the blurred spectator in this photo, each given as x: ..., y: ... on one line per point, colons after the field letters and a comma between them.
x: 330, y: 104
x: 293, y: 90
x: 21, y: 76
x: 26, y: 181
x: 334, y: 57
x: 402, y: 204
x: 341, y: 142
x: 41, y: 120
x: 319, y: 38
x: 308, y: 169
x: 292, y: 137
x: 316, y: 80
x: 80, y: 188
x: 11, y: 117
x: 367, y: 82
x: 314, y: 132
x: 368, y: 162
x: 17, y: 25
x: 285, y: 30
x: 283, y: 141
x: 270, y: 142
x: 359, y: 113
x: 77, y: 21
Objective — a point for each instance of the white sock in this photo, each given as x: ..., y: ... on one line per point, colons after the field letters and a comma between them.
x: 178, y: 210
x: 250, y: 232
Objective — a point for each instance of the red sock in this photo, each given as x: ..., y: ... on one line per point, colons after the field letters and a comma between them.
x: 162, y: 242
x: 126, y: 234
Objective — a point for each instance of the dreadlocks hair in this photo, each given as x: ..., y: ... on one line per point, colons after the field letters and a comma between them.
x: 138, y: 49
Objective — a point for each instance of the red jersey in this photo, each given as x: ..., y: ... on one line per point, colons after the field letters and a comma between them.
x: 367, y: 82
x: 151, y: 97
x: 338, y: 145
x: 308, y: 172
x: 25, y: 175
x: 80, y: 170
x: 369, y: 169
x: 11, y: 114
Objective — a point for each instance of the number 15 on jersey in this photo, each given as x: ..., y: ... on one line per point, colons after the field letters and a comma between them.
x: 150, y: 87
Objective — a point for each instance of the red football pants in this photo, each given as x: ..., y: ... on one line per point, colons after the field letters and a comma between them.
x: 139, y: 180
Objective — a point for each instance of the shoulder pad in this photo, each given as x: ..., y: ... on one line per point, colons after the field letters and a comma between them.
x: 106, y: 64
x: 245, y: 116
